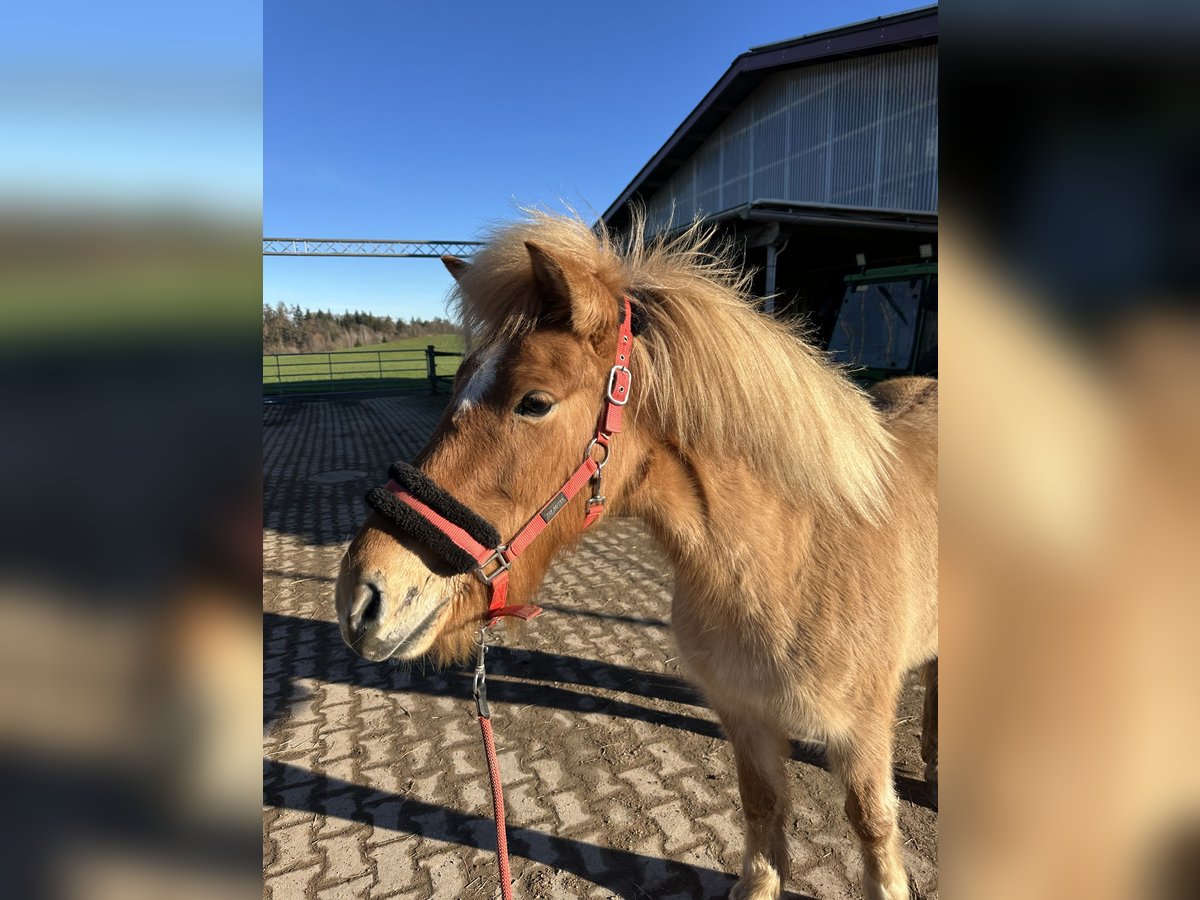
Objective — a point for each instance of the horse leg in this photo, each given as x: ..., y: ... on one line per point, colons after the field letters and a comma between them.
x: 863, y: 759
x: 759, y: 751
x: 929, y: 729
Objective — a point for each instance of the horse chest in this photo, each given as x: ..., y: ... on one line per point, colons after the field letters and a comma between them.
x: 733, y: 661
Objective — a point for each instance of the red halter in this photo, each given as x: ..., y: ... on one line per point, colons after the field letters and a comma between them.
x: 493, y: 563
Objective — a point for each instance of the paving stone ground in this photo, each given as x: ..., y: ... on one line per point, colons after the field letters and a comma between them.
x: 617, y: 778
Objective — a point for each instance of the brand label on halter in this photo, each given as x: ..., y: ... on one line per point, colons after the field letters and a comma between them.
x: 554, y: 506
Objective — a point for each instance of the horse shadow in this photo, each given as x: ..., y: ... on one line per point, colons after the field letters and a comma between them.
x: 306, y: 648
x: 625, y: 873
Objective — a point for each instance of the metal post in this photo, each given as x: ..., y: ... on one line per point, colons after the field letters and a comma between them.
x: 329, y: 359
x: 431, y: 367
x: 379, y: 359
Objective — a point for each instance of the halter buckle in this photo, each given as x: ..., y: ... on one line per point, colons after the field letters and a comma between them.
x: 501, y: 562
x: 616, y: 386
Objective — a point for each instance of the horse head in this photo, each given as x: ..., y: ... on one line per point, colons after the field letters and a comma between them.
x: 524, y: 409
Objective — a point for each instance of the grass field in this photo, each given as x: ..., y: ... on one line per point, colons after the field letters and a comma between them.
x: 396, y: 365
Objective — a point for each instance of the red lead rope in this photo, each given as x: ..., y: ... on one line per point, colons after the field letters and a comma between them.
x: 489, y: 747
x: 493, y: 563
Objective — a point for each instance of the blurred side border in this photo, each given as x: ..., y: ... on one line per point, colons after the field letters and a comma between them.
x: 1070, y: 438
x: 130, y: 533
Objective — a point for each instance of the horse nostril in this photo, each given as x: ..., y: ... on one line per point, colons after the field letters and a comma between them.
x: 374, y: 605
x: 366, y: 610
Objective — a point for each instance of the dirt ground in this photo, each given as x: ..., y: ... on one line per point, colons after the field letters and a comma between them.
x: 617, y: 779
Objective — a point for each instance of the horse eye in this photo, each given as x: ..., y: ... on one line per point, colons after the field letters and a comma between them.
x: 534, y: 405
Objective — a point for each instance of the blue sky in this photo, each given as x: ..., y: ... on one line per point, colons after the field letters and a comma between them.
x: 406, y: 120
x: 132, y: 104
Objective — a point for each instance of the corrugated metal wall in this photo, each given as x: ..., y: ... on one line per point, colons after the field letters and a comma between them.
x: 855, y: 132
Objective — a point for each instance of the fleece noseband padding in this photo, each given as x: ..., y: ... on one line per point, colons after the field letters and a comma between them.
x: 412, y: 523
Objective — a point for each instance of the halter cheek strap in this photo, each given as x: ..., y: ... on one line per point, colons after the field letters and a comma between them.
x: 440, y: 517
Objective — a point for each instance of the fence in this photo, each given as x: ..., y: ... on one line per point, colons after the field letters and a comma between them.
x: 356, y: 370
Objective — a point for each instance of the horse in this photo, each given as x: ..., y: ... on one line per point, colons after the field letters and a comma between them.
x: 799, y: 511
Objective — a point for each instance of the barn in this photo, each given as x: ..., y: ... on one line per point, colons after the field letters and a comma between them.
x: 819, y: 156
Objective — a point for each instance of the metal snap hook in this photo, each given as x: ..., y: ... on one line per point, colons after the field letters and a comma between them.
x: 479, y: 683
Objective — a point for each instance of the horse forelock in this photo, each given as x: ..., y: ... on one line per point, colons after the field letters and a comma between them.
x: 714, y: 375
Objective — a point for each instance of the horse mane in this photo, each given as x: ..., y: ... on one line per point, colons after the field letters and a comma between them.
x: 716, y: 376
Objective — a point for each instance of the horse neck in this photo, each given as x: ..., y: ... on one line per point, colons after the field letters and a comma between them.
x: 720, y: 522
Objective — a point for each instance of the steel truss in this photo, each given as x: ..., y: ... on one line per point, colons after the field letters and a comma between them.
x: 366, y: 247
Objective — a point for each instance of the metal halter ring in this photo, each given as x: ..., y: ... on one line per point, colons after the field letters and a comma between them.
x: 481, y: 638
x: 587, y: 454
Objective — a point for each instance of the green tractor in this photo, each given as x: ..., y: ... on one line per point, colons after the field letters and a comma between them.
x: 887, y: 324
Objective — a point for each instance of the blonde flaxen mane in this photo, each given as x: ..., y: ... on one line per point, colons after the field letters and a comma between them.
x: 715, y: 375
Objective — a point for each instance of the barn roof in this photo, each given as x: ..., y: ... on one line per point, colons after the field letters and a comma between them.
x: 906, y: 29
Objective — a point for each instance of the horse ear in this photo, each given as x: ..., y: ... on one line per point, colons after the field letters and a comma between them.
x: 455, y: 266
x: 551, y: 280
x: 566, y: 294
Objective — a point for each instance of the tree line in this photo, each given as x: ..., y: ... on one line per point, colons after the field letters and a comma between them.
x: 296, y: 330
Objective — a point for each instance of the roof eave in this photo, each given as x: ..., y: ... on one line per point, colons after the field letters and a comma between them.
x: 749, y: 69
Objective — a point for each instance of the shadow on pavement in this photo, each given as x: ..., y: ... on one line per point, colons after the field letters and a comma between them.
x: 326, y: 658
x: 626, y: 874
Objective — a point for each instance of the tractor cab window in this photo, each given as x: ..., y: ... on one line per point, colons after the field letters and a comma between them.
x: 877, y: 324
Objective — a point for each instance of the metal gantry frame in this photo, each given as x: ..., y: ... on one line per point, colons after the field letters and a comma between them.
x: 367, y: 247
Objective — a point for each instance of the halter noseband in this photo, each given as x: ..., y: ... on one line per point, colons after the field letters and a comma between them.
x: 469, y: 542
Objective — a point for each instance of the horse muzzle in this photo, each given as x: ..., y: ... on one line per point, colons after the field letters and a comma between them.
x: 382, y: 617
